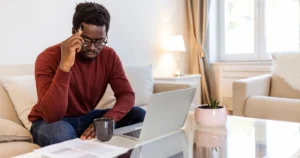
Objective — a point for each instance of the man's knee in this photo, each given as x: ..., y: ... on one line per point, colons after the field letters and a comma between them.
x: 135, y: 115
x: 138, y: 114
x: 64, y: 131
x: 46, y: 134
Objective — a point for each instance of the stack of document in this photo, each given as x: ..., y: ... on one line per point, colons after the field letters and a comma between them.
x: 78, y: 148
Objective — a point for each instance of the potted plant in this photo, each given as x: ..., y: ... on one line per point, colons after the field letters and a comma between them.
x: 211, y: 115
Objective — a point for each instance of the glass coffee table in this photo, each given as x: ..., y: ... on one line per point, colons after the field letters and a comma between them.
x: 241, y: 138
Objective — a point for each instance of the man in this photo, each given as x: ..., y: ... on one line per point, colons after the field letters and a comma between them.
x: 72, y: 77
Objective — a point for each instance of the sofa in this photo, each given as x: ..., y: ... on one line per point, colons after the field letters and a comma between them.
x: 274, y: 96
x: 18, y: 95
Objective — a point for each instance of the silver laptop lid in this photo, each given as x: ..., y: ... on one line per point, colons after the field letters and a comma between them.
x: 166, y: 113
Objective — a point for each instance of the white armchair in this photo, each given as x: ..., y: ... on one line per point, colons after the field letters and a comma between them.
x: 246, y: 88
x: 266, y: 97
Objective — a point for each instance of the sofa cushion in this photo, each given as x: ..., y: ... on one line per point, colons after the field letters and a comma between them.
x: 11, y: 131
x: 11, y: 149
x: 286, y: 75
x: 22, y: 91
x: 141, y: 81
x: 273, y: 108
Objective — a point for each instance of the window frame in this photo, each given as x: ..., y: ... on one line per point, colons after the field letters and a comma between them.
x: 260, y: 53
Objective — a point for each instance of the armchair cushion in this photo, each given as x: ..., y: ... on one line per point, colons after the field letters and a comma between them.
x: 11, y: 131
x: 273, y: 108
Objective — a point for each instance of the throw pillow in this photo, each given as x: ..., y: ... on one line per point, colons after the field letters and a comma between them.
x: 22, y: 91
x: 142, y: 83
x: 286, y: 66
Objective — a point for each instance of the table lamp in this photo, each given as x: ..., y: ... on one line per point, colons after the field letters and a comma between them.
x: 175, y: 44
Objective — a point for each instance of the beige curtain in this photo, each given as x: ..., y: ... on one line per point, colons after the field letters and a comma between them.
x: 197, y: 22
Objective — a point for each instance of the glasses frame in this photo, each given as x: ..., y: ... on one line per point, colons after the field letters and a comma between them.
x: 93, y: 41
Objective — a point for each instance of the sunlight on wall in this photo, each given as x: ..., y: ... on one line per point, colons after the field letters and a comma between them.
x: 172, y: 21
x: 166, y: 65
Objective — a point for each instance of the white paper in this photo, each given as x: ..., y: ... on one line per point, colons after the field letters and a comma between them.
x: 78, y: 148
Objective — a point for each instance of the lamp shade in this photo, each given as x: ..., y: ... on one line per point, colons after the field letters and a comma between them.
x: 174, y: 43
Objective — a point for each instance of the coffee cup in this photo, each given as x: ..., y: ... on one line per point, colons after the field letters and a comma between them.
x: 104, y: 128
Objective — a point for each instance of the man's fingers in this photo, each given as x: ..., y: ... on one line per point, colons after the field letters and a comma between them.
x: 75, y: 48
x: 76, y: 41
x: 75, y: 38
x: 78, y: 33
x: 87, y: 133
x: 76, y: 45
x: 93, y: 134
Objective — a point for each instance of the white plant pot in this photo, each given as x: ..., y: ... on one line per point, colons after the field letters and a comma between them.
x: 210, y: 117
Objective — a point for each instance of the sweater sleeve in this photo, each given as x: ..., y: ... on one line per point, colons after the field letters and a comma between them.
x: 122, y: 89
x: 52, y: 88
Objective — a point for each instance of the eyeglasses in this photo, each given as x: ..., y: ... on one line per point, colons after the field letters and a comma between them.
x: 98, y: 43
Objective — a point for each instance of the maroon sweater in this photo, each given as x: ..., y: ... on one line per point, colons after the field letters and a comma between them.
x: 77, y: 92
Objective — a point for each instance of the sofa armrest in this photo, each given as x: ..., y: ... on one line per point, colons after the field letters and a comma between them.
x: 11, y: 131
x: 245, y: 88
x: 160, y: 87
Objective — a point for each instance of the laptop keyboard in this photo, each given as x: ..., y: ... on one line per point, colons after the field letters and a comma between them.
x: 135, y: 134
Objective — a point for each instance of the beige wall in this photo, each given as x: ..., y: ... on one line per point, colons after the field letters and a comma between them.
x: 137, y: 30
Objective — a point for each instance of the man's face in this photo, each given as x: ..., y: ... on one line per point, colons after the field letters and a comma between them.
x: 94, y: 40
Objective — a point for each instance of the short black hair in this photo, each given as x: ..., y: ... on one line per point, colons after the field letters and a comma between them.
x: 91, y: 13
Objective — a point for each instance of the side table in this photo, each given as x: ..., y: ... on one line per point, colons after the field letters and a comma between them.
x: 191, y: 79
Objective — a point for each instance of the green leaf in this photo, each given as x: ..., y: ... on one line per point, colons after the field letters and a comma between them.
x: 214, y: 103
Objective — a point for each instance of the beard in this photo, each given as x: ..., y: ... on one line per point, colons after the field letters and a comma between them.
x: 89, y: 54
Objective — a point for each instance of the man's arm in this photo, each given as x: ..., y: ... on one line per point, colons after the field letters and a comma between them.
x: 52, y: 81
x: 123, y: 92
x: 52, y: 88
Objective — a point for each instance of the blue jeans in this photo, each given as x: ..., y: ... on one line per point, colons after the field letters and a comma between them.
x: 73, y: 127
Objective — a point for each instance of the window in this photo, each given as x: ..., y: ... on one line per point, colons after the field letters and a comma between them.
x: 253, y: 29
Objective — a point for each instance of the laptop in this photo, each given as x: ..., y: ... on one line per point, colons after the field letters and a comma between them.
x: 166, y: 113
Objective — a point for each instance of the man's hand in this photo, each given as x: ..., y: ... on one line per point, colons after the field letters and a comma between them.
x: 69, y: 48
x: 88, y: 133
